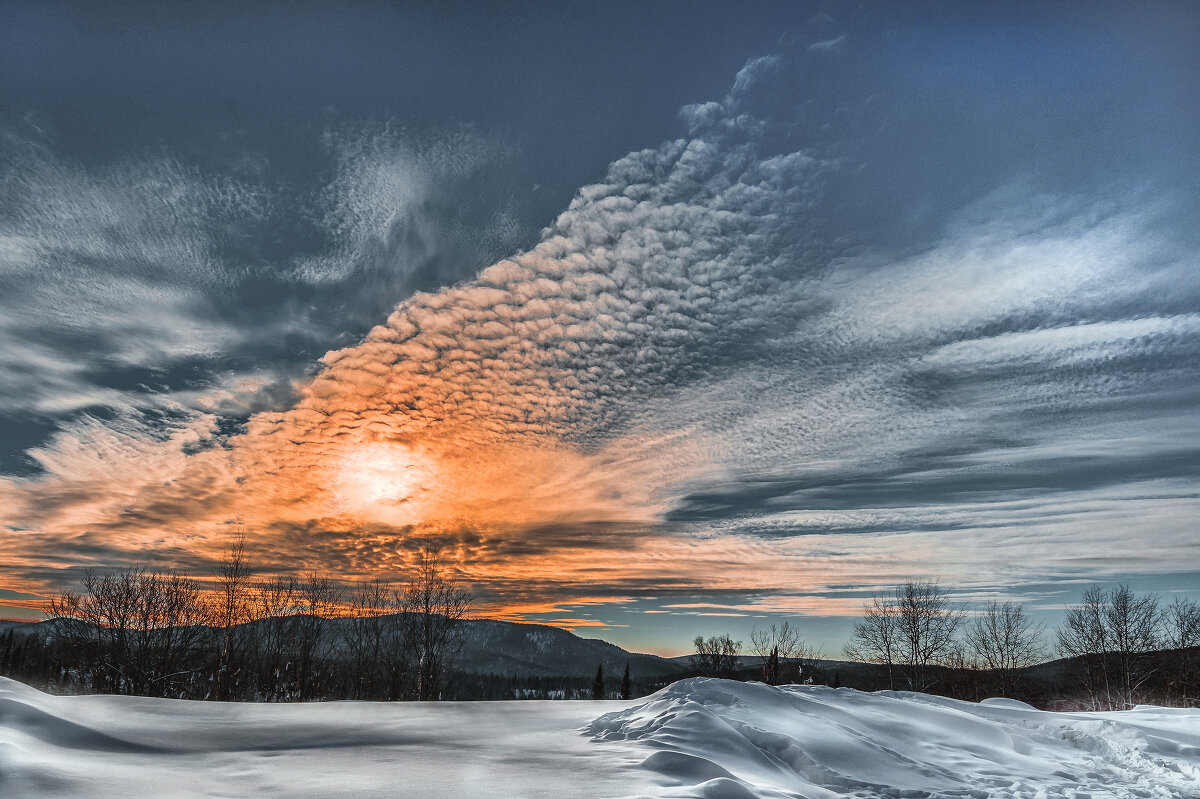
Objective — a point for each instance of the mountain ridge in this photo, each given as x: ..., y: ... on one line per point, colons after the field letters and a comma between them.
x: 513, y: 649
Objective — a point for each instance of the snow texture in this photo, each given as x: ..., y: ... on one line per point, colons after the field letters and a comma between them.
x: 696, y: 738
x: 729, y: 739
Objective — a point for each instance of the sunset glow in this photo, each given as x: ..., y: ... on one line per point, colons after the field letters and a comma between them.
x: 381, y: 482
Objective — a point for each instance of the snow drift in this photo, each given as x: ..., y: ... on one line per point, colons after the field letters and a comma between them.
x: 696, y: 738
x: 729, y: 739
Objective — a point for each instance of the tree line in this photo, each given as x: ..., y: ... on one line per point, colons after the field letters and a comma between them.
x: 784, y: 656
x: 139, y: 631
x: 303, y: 637
x: 1117, y: 649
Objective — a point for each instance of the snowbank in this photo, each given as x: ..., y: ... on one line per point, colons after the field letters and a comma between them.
x: 728, y: 739
x: 697, y: 738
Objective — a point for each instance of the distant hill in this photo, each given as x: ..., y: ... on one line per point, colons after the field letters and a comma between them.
x: 505, y: 659
x: 18, y: 627
x: 512, y: 649
x: 515, y: 649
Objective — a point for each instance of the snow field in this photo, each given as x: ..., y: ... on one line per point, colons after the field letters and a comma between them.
x: 97, y: 747
x: 697, y: 738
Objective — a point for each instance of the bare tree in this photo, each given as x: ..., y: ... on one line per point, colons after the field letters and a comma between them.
x: 1083, y: 637
x: 233, y: 611
x: 132, y: 631
x: 1005, y: 640
x: 178, y: 629
x: 1110, y: 635
x: 913, y: 628
x: 716, y: 656
x: 272, y: 603
x: 434, y: 606
x: 1181, y: 628
x: 927, y: 623
x: 1182, y: 624
x: 876, y: 636
x: 786, y: 657
x: 317, y: 599
x: 370, y: 635
x: 1135, y: 630
x: 93, y: 628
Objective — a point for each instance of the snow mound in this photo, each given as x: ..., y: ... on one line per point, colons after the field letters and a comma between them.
x: 720, y: 738
x: 707, y: 739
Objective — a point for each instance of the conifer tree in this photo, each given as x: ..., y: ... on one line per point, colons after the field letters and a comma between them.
x: 6, y: 658
x: 626, y: 687
x: 771, y: 668
x: 598, y: 683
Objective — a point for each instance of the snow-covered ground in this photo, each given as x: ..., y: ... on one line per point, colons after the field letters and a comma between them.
x: 697, y: 738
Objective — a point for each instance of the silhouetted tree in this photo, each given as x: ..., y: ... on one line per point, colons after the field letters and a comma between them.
x: 1181, y: 633
x: 273, y: 602
x: 6, y: 652
x: 913, y: 628
x: 1111, y: 635
x: 1005, y: 640
x: 434, y: 606
x: 317, y: 599
x: 233, y: 611
x: 876, y: 636
x: 598, y: 683
x: 927, y: 623
x: 626, y: 686
x: 716, y: 656
x: 371, y: 638
x: 132, y: 631
x: 771, y: 667
x: 781, y: 647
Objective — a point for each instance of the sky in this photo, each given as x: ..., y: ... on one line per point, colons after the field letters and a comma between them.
x: 657, y: 319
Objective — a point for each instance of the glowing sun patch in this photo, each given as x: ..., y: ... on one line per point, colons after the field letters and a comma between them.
x: 379, y: 479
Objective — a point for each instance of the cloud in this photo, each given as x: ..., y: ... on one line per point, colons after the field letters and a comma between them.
x: 395, y: 209
x: 108, y: 270
x: 152, y: 285
x: 828, y: 45
x: 758, y: 355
